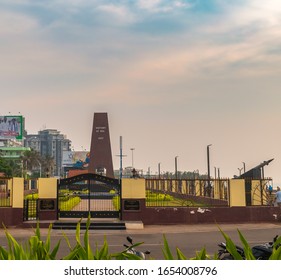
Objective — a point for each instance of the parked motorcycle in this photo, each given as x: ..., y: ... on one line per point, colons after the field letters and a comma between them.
x: 260, y: 251
x: 131, y: 249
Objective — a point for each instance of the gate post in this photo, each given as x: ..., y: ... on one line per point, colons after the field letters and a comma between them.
x: 47, y: 198
x: 133, y: 199
x: 237, y: 193
x: 17, y: 192
x: 12, y: 214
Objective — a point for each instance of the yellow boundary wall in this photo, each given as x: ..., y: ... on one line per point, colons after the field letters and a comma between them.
x: 135, y: 188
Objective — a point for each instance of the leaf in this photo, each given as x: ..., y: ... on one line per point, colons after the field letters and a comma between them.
x: 247, y: 249
x: 55, y: 251
x: 48, y: 239
x: 73, y: 255
x: 230, y: 247
x: 276, y: 252
x: 3, y: 254
x: 103, y: 254
x: 67, y: 241
x: 16, y: 251
x: 166, y: 250
x: 180, y: 255
x: 37, y: 231
x: 201, y: 255
x: 77, y: 235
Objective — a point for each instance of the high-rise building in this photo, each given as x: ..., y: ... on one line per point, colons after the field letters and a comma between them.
x: 50, y: 142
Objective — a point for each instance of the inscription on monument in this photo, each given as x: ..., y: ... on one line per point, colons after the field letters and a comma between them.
x: 100, y: 129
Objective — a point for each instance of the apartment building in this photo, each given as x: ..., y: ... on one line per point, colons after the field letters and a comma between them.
x: 49, y: 142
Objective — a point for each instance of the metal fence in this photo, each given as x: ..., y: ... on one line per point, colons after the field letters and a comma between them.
x: 186, y: 192
x: 5, y: 194
x: 196, y: 192
x: 260, y: 194
x: 30, y: 209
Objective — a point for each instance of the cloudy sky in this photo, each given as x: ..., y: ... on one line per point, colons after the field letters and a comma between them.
x: 173, y: 76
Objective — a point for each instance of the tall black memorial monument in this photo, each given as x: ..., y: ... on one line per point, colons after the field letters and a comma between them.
x: 100, y: 152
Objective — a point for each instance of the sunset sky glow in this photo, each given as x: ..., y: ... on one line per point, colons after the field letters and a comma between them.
x: 173, y: 76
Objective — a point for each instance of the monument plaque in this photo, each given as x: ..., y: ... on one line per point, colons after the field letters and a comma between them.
x: 47, y: 204
x: 132, y: 205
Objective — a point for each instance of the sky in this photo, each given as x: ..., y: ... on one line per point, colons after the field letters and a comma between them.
x: 173, y: 76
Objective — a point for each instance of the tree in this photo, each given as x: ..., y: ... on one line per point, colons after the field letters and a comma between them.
x: 30, y: 160
x: 48, y: 164
x: 10, y: 168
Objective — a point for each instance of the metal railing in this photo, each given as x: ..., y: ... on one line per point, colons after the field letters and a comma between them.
x: 30, y: 209
x: 186, y: 192
x: 5, y: 194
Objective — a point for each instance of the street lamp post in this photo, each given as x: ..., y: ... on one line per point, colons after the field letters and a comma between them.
x: 176, y: 167
x: 121, y: 158
x: 244, y: 167
x: 208, y: 164
x: 132, y: 149
x: 208, y: 160
x: 159, y: 171
x: 240, y: 169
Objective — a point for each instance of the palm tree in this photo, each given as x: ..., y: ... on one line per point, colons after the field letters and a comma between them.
x: 48, y: 164
x: 30, y: 160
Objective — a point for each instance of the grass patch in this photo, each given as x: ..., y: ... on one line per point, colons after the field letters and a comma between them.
x: 166, y: 200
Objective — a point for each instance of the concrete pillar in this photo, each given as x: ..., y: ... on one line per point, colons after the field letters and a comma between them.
x: 47, y: 188
x: 237, y: 196
x: 216, y: 189
x: 17, y: 192
x: 133, y: 188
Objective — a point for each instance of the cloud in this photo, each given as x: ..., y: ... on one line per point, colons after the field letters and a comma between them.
x: 16, y: 24
x: 120, y: 12
x: 161, y: 6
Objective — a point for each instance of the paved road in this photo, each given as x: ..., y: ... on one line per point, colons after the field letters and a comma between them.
x: 189, y: 238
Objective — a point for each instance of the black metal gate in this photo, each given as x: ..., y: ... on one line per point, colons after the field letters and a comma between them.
x: 88, y: 194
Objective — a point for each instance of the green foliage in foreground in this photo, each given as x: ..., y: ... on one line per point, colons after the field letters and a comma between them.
x: 37, y: 249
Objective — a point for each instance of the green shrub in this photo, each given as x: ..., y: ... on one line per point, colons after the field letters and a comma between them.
x: 116, y: 202
x: 31, y: 196
x: 67, y: 205
x: 35, y: 249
